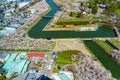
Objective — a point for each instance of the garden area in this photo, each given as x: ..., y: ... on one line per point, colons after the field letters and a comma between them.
x: 75, y: 19
x: 64, y: 57
x: 117, y: 11
x: 75, y: 15
x: 74, y: 22
x: 103, y: 56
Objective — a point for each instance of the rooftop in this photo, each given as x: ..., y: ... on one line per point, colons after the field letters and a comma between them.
x: 36, y: 54
x: 3, y: 55
x: 16, y: 64
x: 30, y: 76
x: 23, y: 4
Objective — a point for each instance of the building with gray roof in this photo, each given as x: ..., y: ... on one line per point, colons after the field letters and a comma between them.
x: 4, y: 56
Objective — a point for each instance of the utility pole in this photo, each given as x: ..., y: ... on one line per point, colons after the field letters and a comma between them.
x: 1, y: 22
x: 17, y: 6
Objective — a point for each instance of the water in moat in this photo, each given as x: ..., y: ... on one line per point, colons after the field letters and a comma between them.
x: 104, y: 58
x: 36, y: 31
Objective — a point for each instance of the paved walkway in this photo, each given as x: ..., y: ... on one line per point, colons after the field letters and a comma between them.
x: 117, y: 32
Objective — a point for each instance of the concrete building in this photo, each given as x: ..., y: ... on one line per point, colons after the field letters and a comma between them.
x: 10, y: 30
x: 63, y: 75
x: 23, y: 4
x: 36, y: 56
x: 32, y: 75
x: 4, y: 56
x: 33, y: 11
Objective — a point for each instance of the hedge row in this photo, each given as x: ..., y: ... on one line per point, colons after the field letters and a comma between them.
x: 75, y: 22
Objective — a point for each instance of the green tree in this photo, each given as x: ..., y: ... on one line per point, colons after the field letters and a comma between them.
x: 118, y: 4
x: 95, y: 8
x: 2, y: 78
x: 71, y: 14
x: 81, y: 4
x: 111, y: 6
x: 93, y: 5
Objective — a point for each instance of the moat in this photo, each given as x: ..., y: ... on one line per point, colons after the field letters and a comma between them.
x: 36, y: 31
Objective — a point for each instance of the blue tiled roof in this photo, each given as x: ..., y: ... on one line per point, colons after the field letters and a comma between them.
x: 43, y: 77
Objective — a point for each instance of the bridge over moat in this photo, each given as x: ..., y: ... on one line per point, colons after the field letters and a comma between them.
x: 48, y: 16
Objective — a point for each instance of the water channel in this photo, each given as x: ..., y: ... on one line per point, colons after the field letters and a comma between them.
x: 36, y: 31
x: 104, y: 58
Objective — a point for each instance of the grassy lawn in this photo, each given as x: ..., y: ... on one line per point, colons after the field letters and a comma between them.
x: 75, y: 15
x: 73, y: 22
x: 65, y: 57
x: 77, y: 19
x: 105, y: 46
x: 78, y: 16
x: 89, y: 17
x: 117, y: 11
x: 103, y: 57
x: 102, y: 17
x: 115, y: 42
x: 55, y: 70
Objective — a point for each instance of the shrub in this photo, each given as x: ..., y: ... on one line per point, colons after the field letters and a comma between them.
x: 75, y: 22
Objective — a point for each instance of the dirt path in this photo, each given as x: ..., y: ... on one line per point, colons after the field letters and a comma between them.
x: 70, y: 44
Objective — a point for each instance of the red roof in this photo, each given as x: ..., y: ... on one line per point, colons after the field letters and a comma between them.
x: 36, y: 54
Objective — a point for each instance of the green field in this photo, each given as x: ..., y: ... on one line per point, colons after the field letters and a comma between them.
x: 56, y: 70
x: 103, y: 57
x: 102, y: 17
x: 64, y: 57
x: 117, y: 11
x: 115, y: 43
